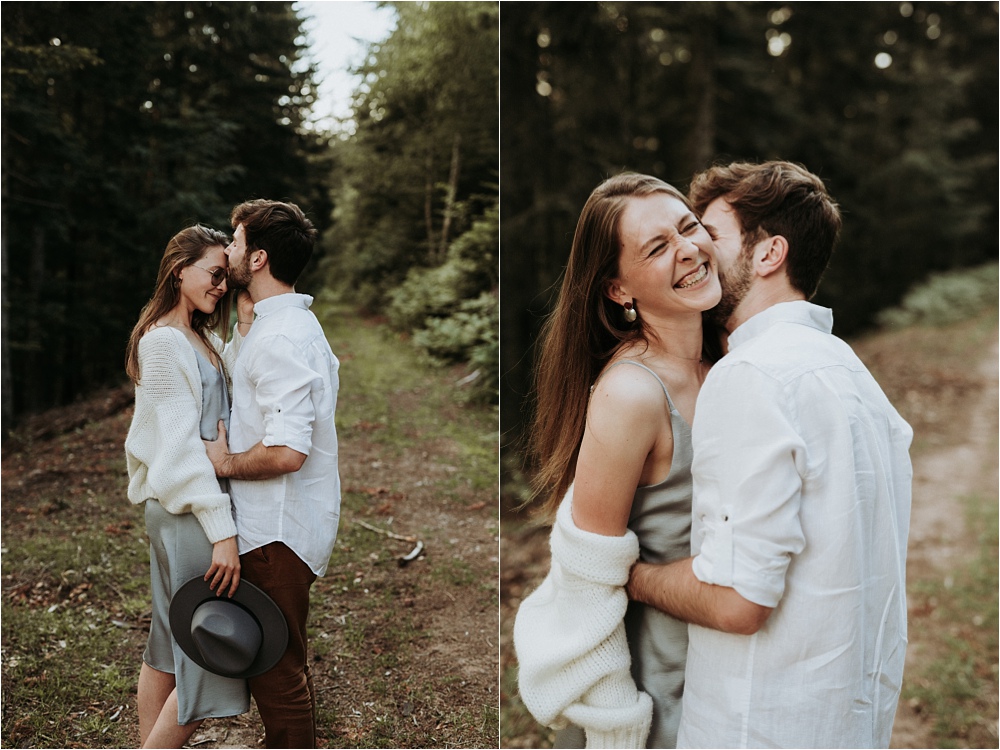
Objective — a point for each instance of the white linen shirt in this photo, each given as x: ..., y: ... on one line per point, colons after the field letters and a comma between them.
x: 285, y: 384
x: 802, y: 484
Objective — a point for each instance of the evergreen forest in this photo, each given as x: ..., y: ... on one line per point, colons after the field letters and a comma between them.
x: 125, y: 122
x: 892, y: 104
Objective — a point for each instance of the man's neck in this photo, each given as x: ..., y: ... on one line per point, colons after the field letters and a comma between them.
x: 261, y: 289
x: 759, y: 298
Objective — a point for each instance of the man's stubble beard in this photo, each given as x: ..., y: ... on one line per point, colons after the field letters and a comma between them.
x: 735, y: 285
x: 240, y: 276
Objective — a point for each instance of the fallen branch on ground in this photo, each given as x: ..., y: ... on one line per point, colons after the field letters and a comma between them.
x: 403, y: 559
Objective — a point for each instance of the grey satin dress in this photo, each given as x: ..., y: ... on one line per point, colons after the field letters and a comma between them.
x: 179, y: 551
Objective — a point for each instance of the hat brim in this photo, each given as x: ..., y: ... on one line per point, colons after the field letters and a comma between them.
x: 274, y: 629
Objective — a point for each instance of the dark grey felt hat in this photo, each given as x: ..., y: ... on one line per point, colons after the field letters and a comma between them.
x: 240, y: 637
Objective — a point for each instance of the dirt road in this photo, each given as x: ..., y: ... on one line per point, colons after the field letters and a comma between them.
x: 942, y: 477
x: 402, y: 655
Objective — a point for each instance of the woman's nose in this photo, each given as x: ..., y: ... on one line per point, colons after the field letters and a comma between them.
x: 688, y: 250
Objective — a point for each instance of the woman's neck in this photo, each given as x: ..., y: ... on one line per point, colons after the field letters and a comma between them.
x: 678, y: 339
x: 179, y: 316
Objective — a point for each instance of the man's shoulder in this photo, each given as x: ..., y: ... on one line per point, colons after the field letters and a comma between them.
x: 788, y: 350
x: 789, y: 345
x: 292, y: 323
x: 299, y: 337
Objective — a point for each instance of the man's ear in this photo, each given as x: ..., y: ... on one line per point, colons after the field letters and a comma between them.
x: 770, y: 255
x: 258, y: 259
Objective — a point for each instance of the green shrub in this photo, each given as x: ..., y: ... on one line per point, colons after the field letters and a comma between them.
x: 469, y: 269
x: 470, y: 335
x: 432, y: 292
x: 452, y: 310
x: 945, y: 298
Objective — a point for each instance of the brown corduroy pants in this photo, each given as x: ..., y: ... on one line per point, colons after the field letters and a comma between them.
x: 284, y: 695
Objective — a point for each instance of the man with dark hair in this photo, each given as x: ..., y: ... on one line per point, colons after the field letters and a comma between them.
x: 795, y: 593
x: 283, y: 472
x: 268, y: 224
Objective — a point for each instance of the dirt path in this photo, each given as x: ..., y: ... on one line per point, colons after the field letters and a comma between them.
x: 938, y: 534
x: 940, y: 477
x: 452, y: 652
x: 402, y: 655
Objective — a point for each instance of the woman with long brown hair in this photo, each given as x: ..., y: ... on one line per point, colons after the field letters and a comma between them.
x: 621, y: 360
x: 174, y: 359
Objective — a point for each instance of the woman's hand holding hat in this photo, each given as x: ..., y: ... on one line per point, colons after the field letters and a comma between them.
x: 225, y: 568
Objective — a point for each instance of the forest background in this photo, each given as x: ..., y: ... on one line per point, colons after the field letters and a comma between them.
x: 124, y: 122
x: 893, y: 104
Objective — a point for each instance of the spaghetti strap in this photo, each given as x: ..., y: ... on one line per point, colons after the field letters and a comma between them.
x: 666, y: 393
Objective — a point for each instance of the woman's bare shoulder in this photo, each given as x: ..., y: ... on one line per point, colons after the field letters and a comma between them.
x: 625, y: 381
x: 627, y: 396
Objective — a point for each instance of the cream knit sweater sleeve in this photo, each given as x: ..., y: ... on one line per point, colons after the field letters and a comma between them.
x: 165, y: 456
x: 569, y: 635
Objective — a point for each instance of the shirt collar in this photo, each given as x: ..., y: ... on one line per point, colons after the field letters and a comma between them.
x: 281, y: 301
x: 799, y: 311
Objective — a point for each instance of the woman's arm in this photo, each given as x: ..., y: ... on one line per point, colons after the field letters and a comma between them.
x: 569, y: 635
x: 244, y: 312
x: 165, y: 454
x: 225, y: 568
x: 244, y: 320
x: 626, y: 416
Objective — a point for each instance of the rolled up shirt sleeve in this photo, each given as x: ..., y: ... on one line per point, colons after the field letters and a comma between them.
x: 284, y: 393
x: 748, y: 469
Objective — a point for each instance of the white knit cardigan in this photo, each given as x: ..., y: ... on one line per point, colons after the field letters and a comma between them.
x: 569, y: 635
x: 164, y: 453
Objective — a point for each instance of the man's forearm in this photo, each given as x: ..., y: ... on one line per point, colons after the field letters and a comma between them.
x: 260, y: 462
x: 674, y: 589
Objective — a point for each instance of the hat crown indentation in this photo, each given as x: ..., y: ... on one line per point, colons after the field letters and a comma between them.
x: 226, y: 635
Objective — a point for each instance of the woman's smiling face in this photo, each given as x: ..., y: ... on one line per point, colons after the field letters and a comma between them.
x: 197, y: 288
x: 667, y: 261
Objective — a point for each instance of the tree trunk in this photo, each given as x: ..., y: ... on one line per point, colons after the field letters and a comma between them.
x: 33, y: 371
x: 429, y: 201
x: 449, y: 206
x: 7, y: 379
x: 701, y: 138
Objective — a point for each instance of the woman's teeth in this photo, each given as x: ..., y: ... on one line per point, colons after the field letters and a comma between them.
x: 693, y: 278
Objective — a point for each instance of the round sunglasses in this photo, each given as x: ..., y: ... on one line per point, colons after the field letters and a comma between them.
x: 217, y: 275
